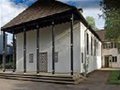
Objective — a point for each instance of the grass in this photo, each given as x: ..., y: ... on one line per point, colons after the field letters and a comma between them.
x: 113, y: 78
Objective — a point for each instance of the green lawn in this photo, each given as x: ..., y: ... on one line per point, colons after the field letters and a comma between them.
x: 113, y: 78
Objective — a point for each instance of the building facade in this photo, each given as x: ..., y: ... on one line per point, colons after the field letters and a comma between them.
x: 55, y: 40
x: 110, y: 52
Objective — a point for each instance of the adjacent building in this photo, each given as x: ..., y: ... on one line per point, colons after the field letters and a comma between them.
x: 110, y: 51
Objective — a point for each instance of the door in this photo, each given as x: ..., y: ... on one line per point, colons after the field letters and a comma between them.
x: 106, y: 61
x: 43, y: 62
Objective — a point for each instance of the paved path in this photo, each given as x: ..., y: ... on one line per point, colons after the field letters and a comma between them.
x: 96, y: 81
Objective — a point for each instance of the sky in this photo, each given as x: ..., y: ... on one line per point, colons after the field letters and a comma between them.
x: 11, y: 8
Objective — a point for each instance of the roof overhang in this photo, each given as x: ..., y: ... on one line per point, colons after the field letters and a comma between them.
x: 57, y: 18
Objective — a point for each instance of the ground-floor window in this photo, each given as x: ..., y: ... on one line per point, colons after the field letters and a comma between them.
x: 114, y: 59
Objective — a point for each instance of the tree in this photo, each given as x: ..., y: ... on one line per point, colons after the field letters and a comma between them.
x: 91, y: 22
x: 111, y: 10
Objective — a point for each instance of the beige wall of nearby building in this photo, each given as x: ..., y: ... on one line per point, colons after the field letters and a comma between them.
x: 113, y: 52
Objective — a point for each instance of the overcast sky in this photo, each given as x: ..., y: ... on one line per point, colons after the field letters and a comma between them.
x: 11, y: 8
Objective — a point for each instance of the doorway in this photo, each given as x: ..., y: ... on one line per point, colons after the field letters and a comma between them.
x: 106, y: 61
x: 43, y: 62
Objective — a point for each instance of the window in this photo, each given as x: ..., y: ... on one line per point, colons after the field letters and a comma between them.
x: 118, y: 50
x: 82, y: 57
x: 115, y: 45
x: 87, y: 43
x: 56, y: 57
x: 114, y: 59
x: 95, y: 47
x: 91, y: 46
x: 31, y: 57
x: 109, y: 45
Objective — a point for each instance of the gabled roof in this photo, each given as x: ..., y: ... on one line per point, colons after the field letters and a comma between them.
x: 101, y: 34
x: 40, y: 9
x: 42, y: 13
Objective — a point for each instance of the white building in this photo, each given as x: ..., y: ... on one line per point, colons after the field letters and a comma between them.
x: 53, y: 37
x: 110, y: 52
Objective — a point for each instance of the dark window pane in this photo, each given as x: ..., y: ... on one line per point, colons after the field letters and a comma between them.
x: 115, y: 58
x: 87, y: 44
x: 91, y: 46
x: 115, y: 45
x: 112, y: 59
x: 82, y: 57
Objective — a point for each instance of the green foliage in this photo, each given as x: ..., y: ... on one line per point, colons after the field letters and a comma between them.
x: 91, y: 22
x: 113, y: 78
x: 111, y: 9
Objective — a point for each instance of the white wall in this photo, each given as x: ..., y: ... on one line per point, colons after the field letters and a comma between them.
x: 19, y: 52
x: 31, y: 49
x: 94, y: 62
x: 62, y: 46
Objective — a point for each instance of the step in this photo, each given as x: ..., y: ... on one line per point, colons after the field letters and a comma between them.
x: 52, y: 76
x: 39, y: 77
x: 38, y: 80
x: 43, y: 78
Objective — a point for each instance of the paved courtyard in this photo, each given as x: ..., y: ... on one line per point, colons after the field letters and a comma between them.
x: 96, y: 81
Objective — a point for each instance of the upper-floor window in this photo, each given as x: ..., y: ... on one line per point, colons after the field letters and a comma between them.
x: 118, y: 50
x: 109, y: 45
x: 115, y: 45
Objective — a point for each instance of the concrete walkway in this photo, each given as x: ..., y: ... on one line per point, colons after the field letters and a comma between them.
x: 96, y: 81
x: 109, y: 69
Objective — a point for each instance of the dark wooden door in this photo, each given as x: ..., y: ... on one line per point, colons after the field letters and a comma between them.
x: 106, y: 61
x: 43, y: 62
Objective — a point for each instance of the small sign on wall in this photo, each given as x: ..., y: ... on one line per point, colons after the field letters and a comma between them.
x: 56, y: 57
x: 31, y: 58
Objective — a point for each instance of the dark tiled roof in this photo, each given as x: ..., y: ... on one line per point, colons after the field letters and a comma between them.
x: 42, y: 9
x: 38, y: 10
x: 101, y: 34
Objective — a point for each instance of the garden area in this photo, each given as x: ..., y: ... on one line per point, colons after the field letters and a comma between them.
x: 114, y: 77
